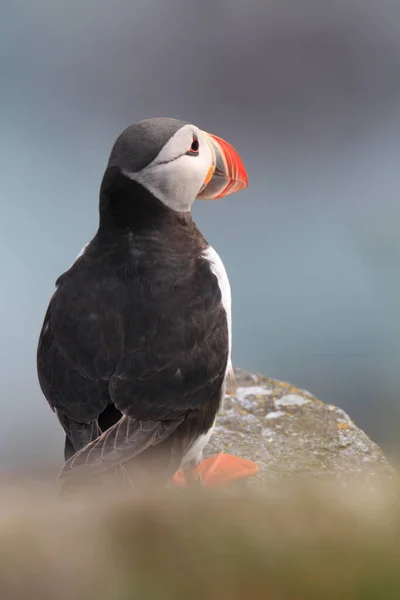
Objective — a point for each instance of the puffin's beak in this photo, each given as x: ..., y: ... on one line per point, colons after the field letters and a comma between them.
x: 227, y: 173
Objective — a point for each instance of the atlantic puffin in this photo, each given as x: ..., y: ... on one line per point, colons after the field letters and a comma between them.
x: 135, y: 348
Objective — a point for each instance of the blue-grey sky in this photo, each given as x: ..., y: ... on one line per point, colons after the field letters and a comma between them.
x: 308, y: 92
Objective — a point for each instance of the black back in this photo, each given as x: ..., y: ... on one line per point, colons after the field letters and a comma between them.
x: 136, y: 325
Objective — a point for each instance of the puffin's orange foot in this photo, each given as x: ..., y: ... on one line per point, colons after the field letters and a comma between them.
x: 219, y: 470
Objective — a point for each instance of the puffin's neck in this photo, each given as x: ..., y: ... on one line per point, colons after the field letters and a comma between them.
x: 127, y: 206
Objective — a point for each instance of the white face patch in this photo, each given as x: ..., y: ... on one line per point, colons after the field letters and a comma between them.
x: 174, y: 177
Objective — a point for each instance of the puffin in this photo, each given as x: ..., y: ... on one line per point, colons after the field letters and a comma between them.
x: 134, y: 353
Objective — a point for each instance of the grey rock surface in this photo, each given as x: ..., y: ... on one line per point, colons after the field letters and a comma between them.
x: 289, y: 432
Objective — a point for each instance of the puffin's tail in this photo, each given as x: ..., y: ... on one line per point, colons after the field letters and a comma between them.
x: 120, y: 443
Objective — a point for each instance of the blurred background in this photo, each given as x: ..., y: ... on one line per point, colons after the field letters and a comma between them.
x: 308, y: 92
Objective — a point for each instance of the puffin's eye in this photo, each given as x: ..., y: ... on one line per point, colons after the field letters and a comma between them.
x: 194, y: 148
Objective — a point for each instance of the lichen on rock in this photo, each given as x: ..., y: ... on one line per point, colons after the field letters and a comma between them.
x: 289, y: 432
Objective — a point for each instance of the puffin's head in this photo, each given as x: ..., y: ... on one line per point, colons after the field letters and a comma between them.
x: 178, y: 162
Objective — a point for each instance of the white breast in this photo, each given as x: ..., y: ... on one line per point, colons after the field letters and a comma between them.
x: 217, y: 267
x: 195, y: 452
x: 194, y: 455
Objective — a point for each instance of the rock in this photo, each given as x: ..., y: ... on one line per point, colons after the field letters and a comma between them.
x: 288, y: 432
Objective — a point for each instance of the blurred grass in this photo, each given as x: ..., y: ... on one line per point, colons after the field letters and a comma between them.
x: 292, y: 540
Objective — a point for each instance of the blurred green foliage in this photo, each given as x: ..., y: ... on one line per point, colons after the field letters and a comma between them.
x: 291, y: 541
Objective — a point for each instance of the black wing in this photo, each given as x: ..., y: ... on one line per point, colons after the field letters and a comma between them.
x: 120, y: 443
x: 77, y: 400
x: 152, y: 341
